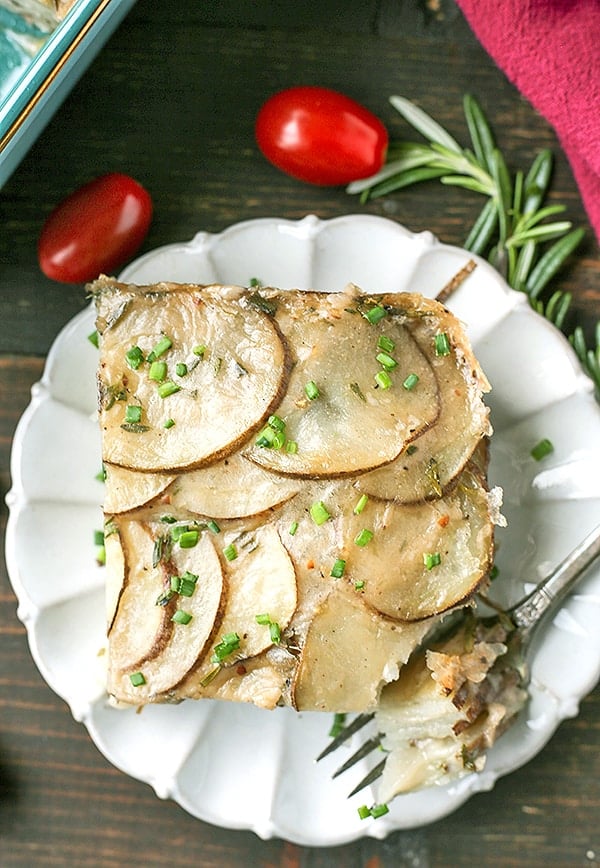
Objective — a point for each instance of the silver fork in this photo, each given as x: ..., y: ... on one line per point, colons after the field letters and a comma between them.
x: 521, y: 621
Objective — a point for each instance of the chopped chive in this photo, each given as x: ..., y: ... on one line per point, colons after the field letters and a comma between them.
x: 230, y: 552
x: 383, y: 379
x: 542, y: 449
x: 188, y: 539
x: 410, y: 382
x: 278, y: 440
x: 228, y: 644
x: 94, y: 338
x: 386, y: 344
x: 274, y: 628
x: 494, y: 572
x: 386, y: 361
x: 364, y: 812
x: 168, y: 388
x: 164, y: 344
x: 181, y: 369
x: 101, y: 475
x: 338, y: 569
x: 364, y: 537
x: 168, y: 519
x: 176, y: 532
x: 98, y: 537
x: 359, y: 585
x: 319, y: 512
x: 169, y: 423
x: 362, y: 502
x: 137, y: 679
x: 432, y: 559
x: 184, y: 585
x: 158, y: 371
x: 441, y: 344
x: 379, y: 811
x: 134, y: 357
x: 213, y: 526
x: 133, y: 414
x: 181, y: 617
x: 311, y: 390
x: 101, y: 556
x: 411, y: 449
x: 375, y: 314
x: 293, y: 528
x: 291, y: 447
x: 266, y: 437
x: 199, y: 350
x: 276, y: 422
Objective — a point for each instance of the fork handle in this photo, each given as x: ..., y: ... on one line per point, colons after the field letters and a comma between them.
x: 554, y: 588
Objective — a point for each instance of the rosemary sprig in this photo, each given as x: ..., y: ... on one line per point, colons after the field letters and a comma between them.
x: 515, y: 231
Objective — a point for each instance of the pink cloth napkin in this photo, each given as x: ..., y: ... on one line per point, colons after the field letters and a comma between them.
x: 550, y: 49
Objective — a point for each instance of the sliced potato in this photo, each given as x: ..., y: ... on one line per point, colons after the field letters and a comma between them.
x: 261, y: 581
x: 235, y: 373
x: 349, y: 653
x: 352, y: 424
x: 232, y: 488
x: 423, y: 558
x: 258, y: 681
x: 140, y: 629
x: 114, y: 575
x: 186, y: 642
x: 427, y: 467
x: 128, y: 489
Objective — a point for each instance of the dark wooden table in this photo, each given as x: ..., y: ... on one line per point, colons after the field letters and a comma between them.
x: 171, y: 99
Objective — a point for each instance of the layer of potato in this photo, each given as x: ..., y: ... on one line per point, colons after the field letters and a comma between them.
x: 295, y: 489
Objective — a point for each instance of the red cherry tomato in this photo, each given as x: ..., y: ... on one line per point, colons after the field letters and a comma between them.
x: 320, y: 136
x: 95, y: 229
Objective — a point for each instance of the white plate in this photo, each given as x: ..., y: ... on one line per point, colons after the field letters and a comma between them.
x: 241, y: 767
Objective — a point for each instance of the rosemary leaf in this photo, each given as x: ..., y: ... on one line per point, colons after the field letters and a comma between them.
x: 480, y: 236
x: 480, y: 132
x: 425, y: 124
x: 551, y: 261
x: 537, y: 181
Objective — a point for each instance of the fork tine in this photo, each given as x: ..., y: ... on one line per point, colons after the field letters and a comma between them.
x: 368, y: 779
x: 363, y: 751
x: 344, y: 734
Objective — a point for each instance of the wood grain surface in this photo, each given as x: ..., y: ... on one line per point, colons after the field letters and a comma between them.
x: 171, y: 99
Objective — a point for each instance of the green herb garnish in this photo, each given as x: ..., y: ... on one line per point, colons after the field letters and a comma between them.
x: 338, y: 569
x: 364, y: 537
x: 311, y: 390
x: 542, y: 449
x: 319, y: 513
x: 230, y: 552
x: 432, y: 559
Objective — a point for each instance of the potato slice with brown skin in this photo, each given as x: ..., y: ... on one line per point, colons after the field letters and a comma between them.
x: 114, y: 573
x: 392, y: 568
x: 353, y: 424
x: 185, y: 642
x: 349, y: 652
x: 261, y: 580
x: 231, y: 488
x: 236, y: 372
x: 140, y: 629
x: 129, y: 489
x: 427, y: 467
